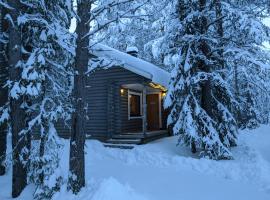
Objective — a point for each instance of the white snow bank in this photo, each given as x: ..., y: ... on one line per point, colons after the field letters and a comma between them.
x: 5, y: 189
x: 111, y: 189
x: 108, y: 189
x: 136, y: 65
x: 258, y: 139
x: 161, y: 170
x: 249, y: 165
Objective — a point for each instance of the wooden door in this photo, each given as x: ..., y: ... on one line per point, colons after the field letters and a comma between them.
x: 152, y: 101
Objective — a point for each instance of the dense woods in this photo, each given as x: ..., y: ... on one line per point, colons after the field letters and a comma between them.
x: 215, y: 51
x: 3, y: 92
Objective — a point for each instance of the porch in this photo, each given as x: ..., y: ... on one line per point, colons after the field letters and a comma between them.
x: 126, y: 140
x: 140, y: 117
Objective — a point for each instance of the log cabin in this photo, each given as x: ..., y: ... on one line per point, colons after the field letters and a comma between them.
x: 125, y: 100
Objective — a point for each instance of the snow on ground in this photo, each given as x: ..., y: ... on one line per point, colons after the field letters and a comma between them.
x: 161, y: 170
x: 107, y: 189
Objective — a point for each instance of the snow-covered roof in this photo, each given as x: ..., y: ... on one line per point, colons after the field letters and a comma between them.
x: 130, y: 49
x: 136, y: 65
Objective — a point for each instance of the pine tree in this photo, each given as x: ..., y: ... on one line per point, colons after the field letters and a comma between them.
x: 134, y: 28
x: 20, y: 138
x: 228, y: 37
x: 3, y: 90
x: 199, y: 98
x: 40, y: 86
x: 244, y: 36
x: 159, y: 28
x: 47, y: 78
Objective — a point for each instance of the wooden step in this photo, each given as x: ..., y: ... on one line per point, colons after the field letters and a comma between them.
x: 124, y: 141
x: 128, y: 136
x: 152, y: 138
x: 119, y: 146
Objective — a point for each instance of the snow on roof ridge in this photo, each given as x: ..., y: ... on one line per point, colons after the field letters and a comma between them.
x: 132, y: 48
x: 134, y: 64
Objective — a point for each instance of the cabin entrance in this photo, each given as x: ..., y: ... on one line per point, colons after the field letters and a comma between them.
x: 153, y: 112
x: 141, y: 108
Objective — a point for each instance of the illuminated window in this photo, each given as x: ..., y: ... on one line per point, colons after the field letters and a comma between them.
x: 135, y: 104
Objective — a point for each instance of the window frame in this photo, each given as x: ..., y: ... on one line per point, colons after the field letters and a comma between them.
x: 141, y: 104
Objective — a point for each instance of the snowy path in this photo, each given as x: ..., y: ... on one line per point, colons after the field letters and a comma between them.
x: 161, y: 171
x: 162, y: 184
x: 259, y: 141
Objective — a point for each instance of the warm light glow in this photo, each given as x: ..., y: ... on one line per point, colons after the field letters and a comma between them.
x: 122, y: 91
x: 163, y: 94
x: 157, y: 86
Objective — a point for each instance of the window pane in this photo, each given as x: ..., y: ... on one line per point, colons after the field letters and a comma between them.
x: 135, y: 105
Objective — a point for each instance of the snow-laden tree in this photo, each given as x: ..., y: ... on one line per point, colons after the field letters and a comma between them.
x: 3, y: 89
x: 215, y: 51
x: 200, y: 99
x: 244, y: 36
x: 49, y: 51
x: 17, y: 98
x: 134, y: 29
x: 40, y: 53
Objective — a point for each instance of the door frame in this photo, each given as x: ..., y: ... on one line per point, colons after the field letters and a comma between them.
x: 159, y: 105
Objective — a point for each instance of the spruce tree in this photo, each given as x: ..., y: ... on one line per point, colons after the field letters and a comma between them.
x: 39, y: 86
x: 47, y: 76
x: 134, y: 28
x: 3, y: 90
x: 20, y: 137
x: 199, y: 98
x: 215, y: 49
x: 244, y: 36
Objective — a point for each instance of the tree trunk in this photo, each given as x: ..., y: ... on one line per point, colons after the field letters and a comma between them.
x: 206, y: 87
x: 220, y: 66
x: 77, y: 141
x: 17, y: 113
x: 3, y: 93
x: 220, y: 31
x: 43, y: 141
x: 238, y: 114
